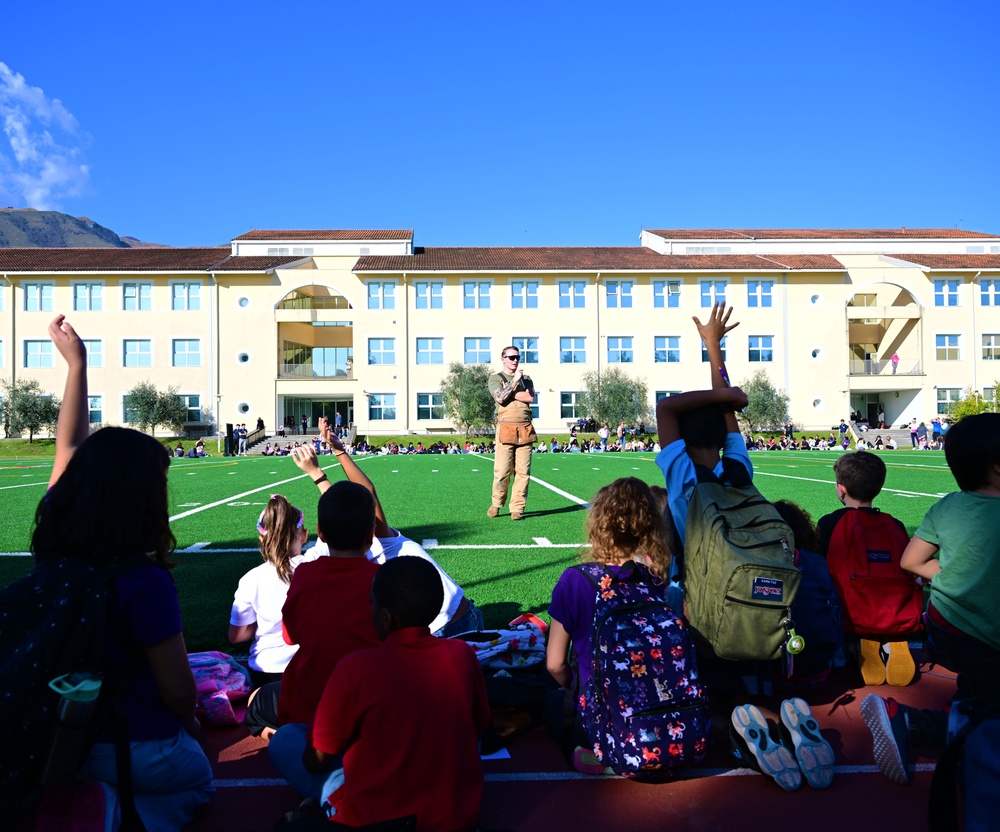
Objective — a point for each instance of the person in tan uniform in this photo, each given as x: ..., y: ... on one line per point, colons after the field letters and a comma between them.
x: 513, y: 392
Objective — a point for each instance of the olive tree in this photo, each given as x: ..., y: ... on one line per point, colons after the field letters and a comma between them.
x: 467, y: 398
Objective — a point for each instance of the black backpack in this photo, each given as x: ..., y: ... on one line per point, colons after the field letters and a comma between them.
x: 52, y: 624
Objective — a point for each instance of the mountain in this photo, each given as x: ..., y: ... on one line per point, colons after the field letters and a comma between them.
x: 28, y: 228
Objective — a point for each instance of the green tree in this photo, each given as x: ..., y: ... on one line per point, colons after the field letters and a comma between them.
x: 27, y: 408
x: 767, y: 407
x: 467, y: 397
x: 146, y: 407
x: 613, y: 396
x: 973, y: 403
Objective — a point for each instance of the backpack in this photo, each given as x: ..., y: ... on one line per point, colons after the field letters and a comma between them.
x: 643, y: 707
x: 523, y: 645
x: 876, y: 596
x: 817, y: 618
x: 219, y: 679
x: 740, y: 574
x: 52, y: 625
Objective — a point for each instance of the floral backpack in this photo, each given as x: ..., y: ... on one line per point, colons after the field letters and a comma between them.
x: 643, y: 707
x: 220, y: 680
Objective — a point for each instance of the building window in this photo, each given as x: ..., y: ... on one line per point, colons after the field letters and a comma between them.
x: 430, y: 350
x: 704, y: 351
x: 477, y: 351
x: 429, y: 294
x: 759, y: 293
x: 137, y: 297
x: 137, y: 353
x: 277, y: 251
x: 989, y: 292
x: 476, y: 294
x: 947, y: 347
x: 761, y: 348
x: 192, y: 407
x: 666, y: 294
x: 95, y: 408
x: 382, y: 407
x: 572, y: 351
x: 990, y: 397
x: 666, y: 349
x: 185, y: 297
x: 572, y: 294
x: 946, y: 397
x: 430, y: 406
x: 991, y: 348
x: 382, y: 294
x: 528, y: 347
x: 620, y: 350
x: 95, y: 353
x: 619, y: 294
x: 712, y: 291
x: 524, y: 294
x: 571, y: 405
x: 186, y: 353
x: 946, y: 292
x: 37, y: 354
x: 87, y: 297
x: 534, y: 407
x: 38, y: 297
x: 663, y: 394
x: 381, y: 351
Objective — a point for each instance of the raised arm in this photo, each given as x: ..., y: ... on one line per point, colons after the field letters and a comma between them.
x: 305, y: 458
x: 74, y: 416
x: 669, y: 408
x: 712, y: 332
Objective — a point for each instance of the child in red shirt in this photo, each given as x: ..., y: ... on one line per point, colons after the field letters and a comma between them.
x: 387, y: 707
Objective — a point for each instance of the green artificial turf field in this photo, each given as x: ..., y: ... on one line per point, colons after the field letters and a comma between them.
x: 440, y: 501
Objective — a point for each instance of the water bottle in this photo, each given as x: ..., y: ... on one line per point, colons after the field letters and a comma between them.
x: 71, y: 731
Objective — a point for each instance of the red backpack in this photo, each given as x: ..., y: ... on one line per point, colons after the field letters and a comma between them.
x: 876, y: 596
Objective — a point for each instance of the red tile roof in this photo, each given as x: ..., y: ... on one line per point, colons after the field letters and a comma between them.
x: 817, y: 234
x: 326, y: 234
x: 254, y: 263
x: 568, y: 259
x: 952, y: 261
x: 54, y: 260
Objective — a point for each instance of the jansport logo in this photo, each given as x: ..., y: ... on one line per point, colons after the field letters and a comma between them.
x: 767, y: 589
x: 879, y: 556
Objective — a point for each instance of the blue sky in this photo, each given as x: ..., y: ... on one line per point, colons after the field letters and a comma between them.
x: 513, y: 123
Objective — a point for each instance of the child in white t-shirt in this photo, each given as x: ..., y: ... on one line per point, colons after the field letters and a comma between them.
x: 256, y: 612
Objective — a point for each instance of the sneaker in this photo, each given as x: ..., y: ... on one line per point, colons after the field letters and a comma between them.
x: 814, y: 754
x: 886, y: 719
x: 900, y: 669
x: 870, y: 662
x: 753, y: 748
x: 492, y: 511
x: 585, y: 761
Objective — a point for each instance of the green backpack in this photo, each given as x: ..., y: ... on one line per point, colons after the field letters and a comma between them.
x: 740, y: 576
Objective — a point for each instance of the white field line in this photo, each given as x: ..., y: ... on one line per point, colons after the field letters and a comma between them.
x: 758, y: 473
x: 24, y: 485
x: 571, y: 497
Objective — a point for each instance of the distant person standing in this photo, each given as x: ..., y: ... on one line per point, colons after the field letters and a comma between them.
x: 881, y: 418
x: 513, y: 393
x: 604, y: 433
x: 305, y: 424
x: 337, y: 424
x: 242, y: 435
x: 895, y: 362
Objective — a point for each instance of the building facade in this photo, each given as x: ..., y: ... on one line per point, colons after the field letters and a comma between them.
x: 286, y: 324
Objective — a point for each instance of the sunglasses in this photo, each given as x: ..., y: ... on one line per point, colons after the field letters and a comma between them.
x: 512, y: 358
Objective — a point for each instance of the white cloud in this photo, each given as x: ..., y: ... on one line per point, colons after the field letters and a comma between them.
x: 42, y: 159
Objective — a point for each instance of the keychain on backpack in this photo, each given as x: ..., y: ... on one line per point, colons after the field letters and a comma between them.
x: 794, y: 645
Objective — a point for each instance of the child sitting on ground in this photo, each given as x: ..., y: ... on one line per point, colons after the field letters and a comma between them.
x: 860, y: 477
x: 256, y: 611
x: 625, y: 531
x: 693, y: 428
x: 404, y: 717
x: 955, y: 549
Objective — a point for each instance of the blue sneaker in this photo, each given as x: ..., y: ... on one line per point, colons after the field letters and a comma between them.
x: 815, y: 754
x: 886, y: 719
x: 753, y: 747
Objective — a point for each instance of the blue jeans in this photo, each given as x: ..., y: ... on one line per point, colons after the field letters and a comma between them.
x: 285, y: 751
x: 471, y: 622
x: 172, y: 778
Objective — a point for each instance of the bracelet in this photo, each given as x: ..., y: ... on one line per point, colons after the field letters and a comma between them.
x: 321, y: 479
x: 342, y: 453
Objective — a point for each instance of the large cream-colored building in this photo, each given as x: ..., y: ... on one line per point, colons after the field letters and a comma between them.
x: 365, y: 324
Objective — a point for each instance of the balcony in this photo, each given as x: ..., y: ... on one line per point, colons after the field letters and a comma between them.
x: 870, y: 367
x: 337, y: 372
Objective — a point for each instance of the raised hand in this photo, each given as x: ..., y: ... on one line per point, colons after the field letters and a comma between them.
x: 68, y: 342
x: 715, y: 329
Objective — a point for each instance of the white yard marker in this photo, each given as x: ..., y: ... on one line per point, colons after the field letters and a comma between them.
x: 542, y: 541
x: 430, y: 543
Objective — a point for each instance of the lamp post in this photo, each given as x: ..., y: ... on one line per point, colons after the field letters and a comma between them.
x: 368, y: 414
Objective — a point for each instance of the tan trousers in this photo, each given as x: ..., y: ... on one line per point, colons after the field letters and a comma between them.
x: 516, y: 460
